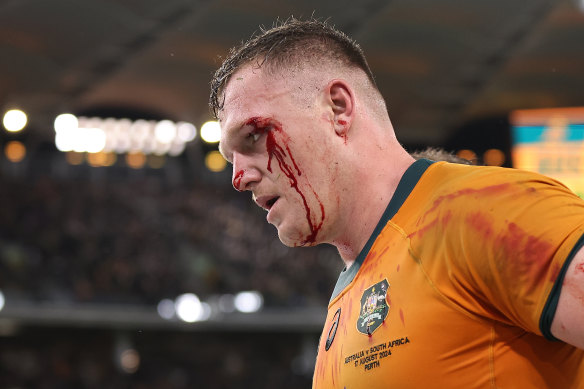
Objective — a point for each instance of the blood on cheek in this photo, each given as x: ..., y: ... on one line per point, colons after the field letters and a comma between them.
x: 277, y: 147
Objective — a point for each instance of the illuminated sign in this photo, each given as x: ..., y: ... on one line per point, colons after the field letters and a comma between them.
x: 551, y: 142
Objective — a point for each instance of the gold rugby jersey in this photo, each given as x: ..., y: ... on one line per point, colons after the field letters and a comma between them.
x: 457, y: 286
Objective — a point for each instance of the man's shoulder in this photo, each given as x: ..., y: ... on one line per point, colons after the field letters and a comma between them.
x: 454, y: 175
x: 468, y: 187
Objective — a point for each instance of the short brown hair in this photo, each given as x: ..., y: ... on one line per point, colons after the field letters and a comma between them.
x: 289, y: 43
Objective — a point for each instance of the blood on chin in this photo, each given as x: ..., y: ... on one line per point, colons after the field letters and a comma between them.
x: 295, y: 242
x: 295, y: 239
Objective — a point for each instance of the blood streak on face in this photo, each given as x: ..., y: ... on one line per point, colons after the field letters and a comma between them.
x: 237, y: 180
x: 277, y: 146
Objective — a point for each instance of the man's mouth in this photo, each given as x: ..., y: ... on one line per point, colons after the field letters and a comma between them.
x: 266, y: 202
x: 271, y: 202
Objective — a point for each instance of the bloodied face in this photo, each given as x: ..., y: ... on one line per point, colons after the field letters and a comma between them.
x: 280, y: 144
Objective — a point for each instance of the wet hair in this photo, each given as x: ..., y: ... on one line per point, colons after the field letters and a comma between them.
x: 289, y: 44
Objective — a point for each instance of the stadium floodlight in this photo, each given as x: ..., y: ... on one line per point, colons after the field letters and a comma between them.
x: 211, y: 131
x: 66, y: 122
x: 248, y: 302
x: 215, y: 162
x: 186, y: 131
x: 14, y: 120
x: 93, y: 135
x: 188, y: 307
x: 166, y: 309
x: 94, y: 140
x: 165, y: 131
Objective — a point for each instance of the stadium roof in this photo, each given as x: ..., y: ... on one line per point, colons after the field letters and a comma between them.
x: 439, y: 63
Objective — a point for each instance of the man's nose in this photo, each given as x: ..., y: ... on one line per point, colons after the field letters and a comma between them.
x: 245, y: 174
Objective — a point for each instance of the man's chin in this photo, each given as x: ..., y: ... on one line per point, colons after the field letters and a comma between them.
x: 287, y: 241
x: 293, y: 240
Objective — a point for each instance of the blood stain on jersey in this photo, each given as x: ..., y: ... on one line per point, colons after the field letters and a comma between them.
x: 374, y: 308
x: 556, y: 272
x: 485, y: 191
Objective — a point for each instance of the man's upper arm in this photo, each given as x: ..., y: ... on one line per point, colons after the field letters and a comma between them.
x: 568, y: 322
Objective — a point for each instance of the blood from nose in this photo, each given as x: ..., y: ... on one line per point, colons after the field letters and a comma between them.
x: 237, y: 180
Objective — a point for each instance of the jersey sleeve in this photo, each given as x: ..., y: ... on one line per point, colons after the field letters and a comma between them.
x: 497, y: 243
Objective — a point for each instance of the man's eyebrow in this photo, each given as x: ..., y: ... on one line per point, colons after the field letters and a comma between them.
x: 241, y: 124
x: 232, y: 131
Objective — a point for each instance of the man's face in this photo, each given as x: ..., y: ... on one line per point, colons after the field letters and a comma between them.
x: 279, y: 143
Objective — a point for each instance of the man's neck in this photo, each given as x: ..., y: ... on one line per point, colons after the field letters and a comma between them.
x: 370, y: 201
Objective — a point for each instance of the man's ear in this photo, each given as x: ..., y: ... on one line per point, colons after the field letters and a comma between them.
x: 342, y: 101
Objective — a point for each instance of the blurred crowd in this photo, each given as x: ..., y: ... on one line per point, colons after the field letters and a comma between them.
x: 140, y: 238
x: 91, y: 359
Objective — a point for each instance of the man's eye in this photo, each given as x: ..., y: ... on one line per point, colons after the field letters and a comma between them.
x: 257, y: 132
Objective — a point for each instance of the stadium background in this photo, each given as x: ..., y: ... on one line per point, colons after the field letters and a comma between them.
x: 135, y: 264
